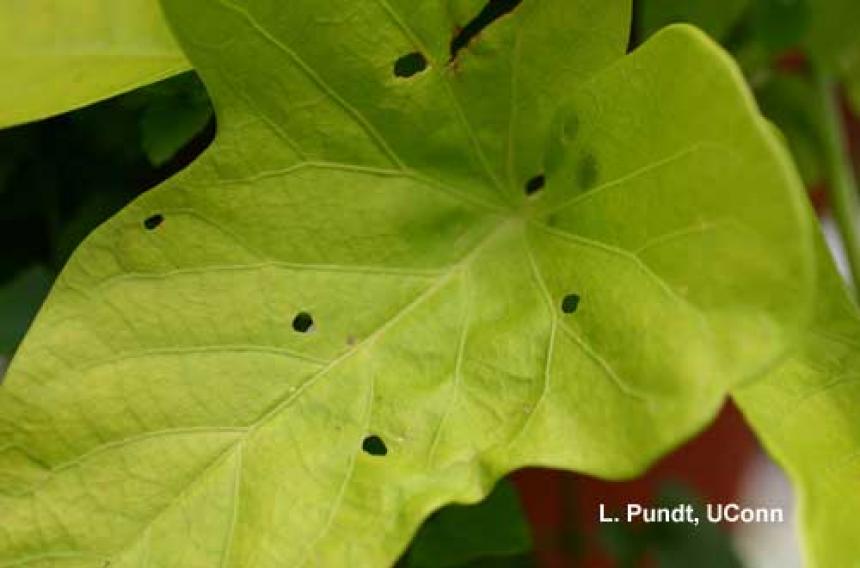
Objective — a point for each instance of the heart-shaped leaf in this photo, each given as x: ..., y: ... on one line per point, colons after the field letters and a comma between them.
x: 431, y: 243
x: 58, y: 55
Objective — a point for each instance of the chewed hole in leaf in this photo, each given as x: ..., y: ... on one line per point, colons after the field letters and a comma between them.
x: 303, y: 322
x: 535, y: 184
x: 570, y: 303
x: 493, y: 10
x: 374, y: 446
x: 410, y: 64
x: 153, y: 222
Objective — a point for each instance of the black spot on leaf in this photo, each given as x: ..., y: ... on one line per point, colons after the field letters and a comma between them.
x: 374, y: 446
x: 303, y: 322
x: 410, y: 64
x: 152, y: 223
x: 570, y: 303
x: 535, y: 184
x: 493, y: 10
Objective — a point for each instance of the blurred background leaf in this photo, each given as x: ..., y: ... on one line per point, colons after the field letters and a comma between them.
x: 790, y: 101
x: 62, y: 177
x: 716, y: 18
x: 493, y: 532
x: 671, y: 545
x: 172, y: 117
x: 780, y: 24
x: 833, y: 39
x: 20, y: 298
x: 853, y: 92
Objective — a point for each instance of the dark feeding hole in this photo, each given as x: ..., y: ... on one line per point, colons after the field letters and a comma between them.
x: 153, y: 222
x: 374, y: 446
x: 570, y: 303
x: 494, y: 10
x: 535, y: 184
x: 303, y: 322
x: 410, y: 64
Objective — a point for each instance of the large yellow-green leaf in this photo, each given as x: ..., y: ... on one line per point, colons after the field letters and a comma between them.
x: 58, y: 55
x: 173, y: 405
x: 806, y: 413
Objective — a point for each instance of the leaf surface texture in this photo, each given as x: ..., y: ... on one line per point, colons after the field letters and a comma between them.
x: 363, y: 301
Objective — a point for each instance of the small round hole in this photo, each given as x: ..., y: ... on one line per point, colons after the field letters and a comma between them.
x: 303, y: 322
x: 153, y: 222
x: 410, y: 64
x: 374, y: 446
x: 535, y: 184
x: 570, y: 303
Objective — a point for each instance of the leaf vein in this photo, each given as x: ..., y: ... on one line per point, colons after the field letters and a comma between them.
x: 326, y: 89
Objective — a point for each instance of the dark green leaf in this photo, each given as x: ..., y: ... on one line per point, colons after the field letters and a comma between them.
x: 672, y: 545
x: 19, y: 301
x: 458, y: 535
x: 780, y: 24
x: 716, y: 17
x: 790, y: 101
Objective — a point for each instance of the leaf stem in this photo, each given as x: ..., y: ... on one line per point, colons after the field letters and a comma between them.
x: 842, y: 181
